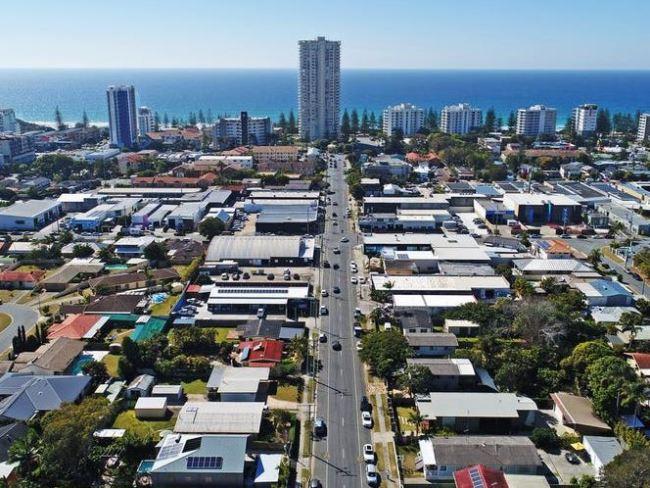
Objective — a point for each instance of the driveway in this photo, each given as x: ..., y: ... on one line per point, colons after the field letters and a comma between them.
x: 562, y: 469
x: 21, y: 315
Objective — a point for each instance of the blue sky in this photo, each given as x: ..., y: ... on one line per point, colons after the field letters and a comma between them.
x: 428, y: 34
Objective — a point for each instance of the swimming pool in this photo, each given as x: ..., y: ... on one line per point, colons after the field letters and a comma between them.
x: 158, y: 297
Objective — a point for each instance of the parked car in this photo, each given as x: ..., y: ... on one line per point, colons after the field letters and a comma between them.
x: 366, y: 406
x: 354, y: 280
x: 322, y: 337
x: 344, y: 239
x: 371, y: 474
x: 320, y: 427
x: 323, y: 310
x: 326, y: 264
x: 366, y: 419
x: 324, y: 292
x: 368, y: 453
x: 336, y: 345
x: 572, y: 458
x: 336, y: 289
x: 315, y: 483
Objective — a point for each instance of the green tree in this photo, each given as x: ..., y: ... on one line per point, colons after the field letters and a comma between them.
x: 292, y: 125
x: 490, y: 120
x: 385, y: 352
x: 82, y: 251
x: 96, y: 370
x: 156, y: 252
x: 282, y: 122
x: 595, y: 257
x: 417, y: 419
x: 84, y: 120
x: 67, y: 442
x: 545, y: 438
x: 58, y: 119
x: 26, y: 452
x: 365, y: 122
x: 630, y: 469
x: 606, y: 378
x: 373, y: 120
x: 512, y: 122
x: 417, y: 379
x: 281, y: 420
x: 603, y: 122
x: 522, y: 287
x: 211, y: 227
x: 354, y: 121
x: 345, y: 125
x: 581, y: 357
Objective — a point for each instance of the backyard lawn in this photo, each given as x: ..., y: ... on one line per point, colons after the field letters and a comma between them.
x: 287, y: 393
x: 221, y: 333
x: 163, y: 309
x: 403, y: 415
x: 196, y: 387
x: 111, y: 360
x: 409, y: 454
x: 127, y: 420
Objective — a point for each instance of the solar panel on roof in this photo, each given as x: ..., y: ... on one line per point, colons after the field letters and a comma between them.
x: 170, y: 451
x: 204, y: 462
x: 192, y: 444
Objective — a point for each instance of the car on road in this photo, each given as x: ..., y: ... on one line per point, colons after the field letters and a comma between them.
x: 357, y: 331
x: 366, y: 419
x: 354, y: 280
x: 320, y: 427
x: 336, y: 345
x: 371, y: 474
x: 366, y: 406
x: 323, y: 310
x: 335, y: 266
x: 335, y: 223
x: 335, y: 203
x: 326, y: 264
x: 324, y: 293
x: 359, y: 346
x: 261, y: 313
x: 344, y: 239
x: 336, y: 289
x: 368, y: 453
x: 336, y: 250
x: 334, y: 214
x: 322, y: 337
x: 572, y: 458
x: 315, y: 483
x: 362, y: 280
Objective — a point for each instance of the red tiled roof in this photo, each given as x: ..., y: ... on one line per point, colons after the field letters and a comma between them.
x: 24, y: 276
x: 267, y: 351
x: 193, y: 289
x: 641, y: 359
x: 73, y: 327
x: 489, y: 477
x: 414, y: 157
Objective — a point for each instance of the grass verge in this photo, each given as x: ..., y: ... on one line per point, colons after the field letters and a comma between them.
x: 5, y: 321
x: 111, y: 361
x: 127, y: 420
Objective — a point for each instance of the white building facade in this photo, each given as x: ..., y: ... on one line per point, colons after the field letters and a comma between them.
x: 146, y: 121
x: 243, y: 130
x: 536, y: 120
x: 8, y: 120
x: 122, y: 119
x: 406, y: 117
x: 584, y: 119
x: 643, y: 133
x: 460, y: 119
x: 319, y: 88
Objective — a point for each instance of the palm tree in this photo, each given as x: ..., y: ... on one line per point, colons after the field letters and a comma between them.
x: 24, y: 451
x: 417, y: 419
x: 595, y: 257
x: 630, y: 322
x: 281, y: 420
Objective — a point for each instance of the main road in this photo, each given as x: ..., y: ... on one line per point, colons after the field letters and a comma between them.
x: 338, y: 460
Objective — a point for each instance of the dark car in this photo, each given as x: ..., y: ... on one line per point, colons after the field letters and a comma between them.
x: 336, y: 289
x: 366, y: 406
x: 320, y: 427
x: 336, y: 345
x: 326, y: 264
x: 315, y: 483
x: 572, y: 458
x: 335, y: 266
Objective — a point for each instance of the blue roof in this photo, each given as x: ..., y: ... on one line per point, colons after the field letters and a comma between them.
x: 609, y: 288
x: 632, y: 421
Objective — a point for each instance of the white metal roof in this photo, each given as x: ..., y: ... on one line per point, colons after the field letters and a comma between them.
x: 472, y: 405
x: 425, y: 283
x: 220, y: 417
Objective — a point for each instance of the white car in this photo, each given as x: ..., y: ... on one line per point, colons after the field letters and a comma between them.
x: 362, y: 280
x: 359, y: 346
x: 354, y: 280
x: 371, y: 474
x: 323, y: 293
x: 368, y: 453
x: 344, y: 239
x: 366, y: 419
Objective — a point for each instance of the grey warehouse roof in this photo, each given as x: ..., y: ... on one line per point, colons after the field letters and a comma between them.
x: 258, y: 247
x: 29, y: 208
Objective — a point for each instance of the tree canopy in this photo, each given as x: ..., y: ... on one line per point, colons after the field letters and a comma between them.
x: 385, y: 352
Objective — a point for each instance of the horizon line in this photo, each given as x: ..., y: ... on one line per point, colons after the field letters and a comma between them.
x: 249, y: 68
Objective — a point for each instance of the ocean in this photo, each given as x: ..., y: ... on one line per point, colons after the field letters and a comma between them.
x: 34, y: 94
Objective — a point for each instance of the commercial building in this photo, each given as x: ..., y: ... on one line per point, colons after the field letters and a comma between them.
x: 319, y: 88
x: 405, y: 117
x: 536, y: 120
x: 538, y: 209
x: 16, y: 148
x: 261, y: 250
x: 643, y: 132
x: 287, y: 159
x: 122, y: 118
x: 460, y: 119
x: 8, y: 120
x: 146, y: 121
x: 29, y: 214
x: 210, y: 162
x: 633, y: 221
x: 584, y: 119
x: 386, y: 167
x: 242, y: 130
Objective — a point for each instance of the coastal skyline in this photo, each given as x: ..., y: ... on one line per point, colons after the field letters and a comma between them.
x: 383, y: 34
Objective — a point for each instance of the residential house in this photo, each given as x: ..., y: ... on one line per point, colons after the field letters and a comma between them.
x: 448, y: 374
x: 54, y: 357
x: 77, y: 326
x: 133, y: 280
x: 26, y: 395
x: 231, y: 384
x: 220, y: 418
x: 601, y: 451
x: 605, y: 293
x: 478, y: 412
x: 140, y: 386
x: 129, y: 247
x: 432, y: 344
x: 260, y: 353
x: 197, y: 460
x: 440, y: 457
x: 577, y: 413
x: 461, y: 328
x: 552, y: 249
x: 640, y: 362
x: 20, y: 280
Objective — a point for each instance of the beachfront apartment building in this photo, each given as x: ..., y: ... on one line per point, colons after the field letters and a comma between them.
x: 319, y: 88
x: 584, y: 119
x: 405, y: 117
x: 643, y: 133
x: 460, y: 119
x: 242, y: 130
x: 8, y: 120
x: 146, y: 121
x: 536, y: 120
x: 122, y: 118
